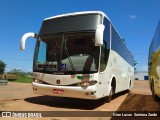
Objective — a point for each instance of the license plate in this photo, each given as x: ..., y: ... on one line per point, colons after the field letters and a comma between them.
x: 58, y: 91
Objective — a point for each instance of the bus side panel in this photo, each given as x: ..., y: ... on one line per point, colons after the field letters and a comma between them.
x: 122, y: 71
x: 158, y: 72
x: 154, y: 72
x: 154, y: 62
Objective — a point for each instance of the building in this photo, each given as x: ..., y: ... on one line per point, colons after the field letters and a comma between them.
x: 141, y: 75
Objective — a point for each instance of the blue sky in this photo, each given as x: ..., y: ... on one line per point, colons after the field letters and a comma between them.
x: 135, y: 21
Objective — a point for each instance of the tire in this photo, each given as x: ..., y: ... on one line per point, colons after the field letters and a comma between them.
x: 150, y: 85
x: 155, y: 97
x: 112, y: 91
x: 109, y: 98
x: 129, y: 89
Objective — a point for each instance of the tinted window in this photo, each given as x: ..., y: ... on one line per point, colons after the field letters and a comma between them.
x: 106, y: 45
x: 107, y: 32
x: 67, y: 53
x: 104, y: 56
x: 156, y: 39
x: 155, y: 46
x: 70, y: 23
x: 119, y: 46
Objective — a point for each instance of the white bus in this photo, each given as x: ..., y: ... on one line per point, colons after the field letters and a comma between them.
x: 154, y: 65
x: 80, y: 55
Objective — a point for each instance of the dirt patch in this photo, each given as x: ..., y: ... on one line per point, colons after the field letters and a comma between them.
x: 20, y: 97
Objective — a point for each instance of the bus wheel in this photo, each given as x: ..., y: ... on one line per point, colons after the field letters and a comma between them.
x: 112, y: 91
x: 109, y: 98
x: 129, y: 89
x: 156, y: 98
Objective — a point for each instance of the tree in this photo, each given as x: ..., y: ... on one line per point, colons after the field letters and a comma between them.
x: 2, y: 67
x: 19, y: 72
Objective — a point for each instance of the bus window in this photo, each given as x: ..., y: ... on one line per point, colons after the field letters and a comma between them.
x: 103, y: 57
x: 42, y: 52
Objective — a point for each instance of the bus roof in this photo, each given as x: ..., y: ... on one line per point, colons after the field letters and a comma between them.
x: 78, y: 13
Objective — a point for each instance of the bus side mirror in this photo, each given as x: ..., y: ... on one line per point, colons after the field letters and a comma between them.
x: 24, y: 38
x: 99, y: 35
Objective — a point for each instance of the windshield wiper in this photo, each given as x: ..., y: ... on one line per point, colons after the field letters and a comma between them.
x: 69, y: 58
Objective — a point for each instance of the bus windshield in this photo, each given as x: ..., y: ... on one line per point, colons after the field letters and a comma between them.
x: 73, y: 53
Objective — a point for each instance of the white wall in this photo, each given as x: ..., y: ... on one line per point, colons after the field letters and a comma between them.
x: 140, y: 75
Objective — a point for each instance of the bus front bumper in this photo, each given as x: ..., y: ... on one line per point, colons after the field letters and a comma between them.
x: 65, y: 91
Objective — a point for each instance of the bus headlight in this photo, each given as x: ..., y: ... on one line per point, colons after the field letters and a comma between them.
x: 87, y: 83
x: 37, y: 81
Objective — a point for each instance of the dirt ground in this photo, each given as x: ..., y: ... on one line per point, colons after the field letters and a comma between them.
x: 20, y: 97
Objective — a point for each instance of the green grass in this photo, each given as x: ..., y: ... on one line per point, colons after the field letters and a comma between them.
x: 22, y: 79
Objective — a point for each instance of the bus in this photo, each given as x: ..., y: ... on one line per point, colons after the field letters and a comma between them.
x: 80, y: 55
x: 154, y: 65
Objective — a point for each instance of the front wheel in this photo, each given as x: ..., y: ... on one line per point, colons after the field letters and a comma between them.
x: 129, y: 88
x: 109, y: 98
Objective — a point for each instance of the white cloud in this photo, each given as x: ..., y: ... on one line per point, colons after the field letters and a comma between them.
x: 132, y: 16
